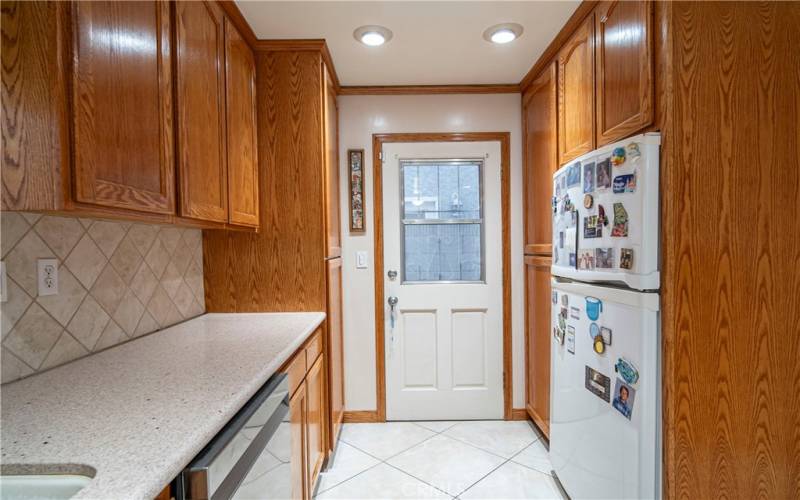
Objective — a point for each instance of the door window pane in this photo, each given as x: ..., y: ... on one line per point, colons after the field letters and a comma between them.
x: 442, y: 220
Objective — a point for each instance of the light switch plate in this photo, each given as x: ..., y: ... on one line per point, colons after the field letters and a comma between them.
x: 48, y: 276
x: 361, y: 260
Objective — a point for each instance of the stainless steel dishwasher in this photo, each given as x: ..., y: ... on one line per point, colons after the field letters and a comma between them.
x: 250, y: 458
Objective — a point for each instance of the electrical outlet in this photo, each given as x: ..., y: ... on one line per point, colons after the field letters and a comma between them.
x: 48, y: 276
x: 3, y: 289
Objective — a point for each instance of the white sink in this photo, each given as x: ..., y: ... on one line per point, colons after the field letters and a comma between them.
x: 41, y: 487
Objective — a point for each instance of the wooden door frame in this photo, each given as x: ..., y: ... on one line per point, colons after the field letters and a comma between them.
x: 378, y: 140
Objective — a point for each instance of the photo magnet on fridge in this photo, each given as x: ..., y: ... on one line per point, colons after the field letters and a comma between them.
x: 573, y: 259
x: 605, y: 333
x: 625, y: 183
x: 597, y: 383
x: 620, y: 221
x: 626, y: 258
x: 588, y: 178
x: 586, y: 260
x: 574, y: 174
x: 574, y: 313
x: 604, y: 258
x: 604, y: 174
x: 624, y: 397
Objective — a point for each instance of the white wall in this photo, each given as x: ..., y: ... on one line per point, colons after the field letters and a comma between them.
x: 359, y: 118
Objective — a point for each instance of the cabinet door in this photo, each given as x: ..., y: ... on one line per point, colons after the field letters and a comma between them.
x: 335, y: 348
x: 332, y: 216
x: 122, y: 106
x: 576, y: 93
x: 298, y: 407
x: 316, y: 448
x: 240, y: 94
x: 537, y: 341
x: 200, y: 95
x: 541, y: 160
x: 624, y: 55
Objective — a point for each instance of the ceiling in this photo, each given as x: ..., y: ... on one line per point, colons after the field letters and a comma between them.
x: 434, y: 43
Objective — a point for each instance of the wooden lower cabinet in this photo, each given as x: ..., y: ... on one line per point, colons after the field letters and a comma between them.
x: 298, y: 409
x: 316, y: 444
x: 537, y: 340
x: 309, y: 410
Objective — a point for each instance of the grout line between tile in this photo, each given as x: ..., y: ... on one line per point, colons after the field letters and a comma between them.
x: 350, y: 478
x: 418, y: 479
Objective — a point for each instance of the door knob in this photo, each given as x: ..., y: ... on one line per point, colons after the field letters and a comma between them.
x: 392, y: 304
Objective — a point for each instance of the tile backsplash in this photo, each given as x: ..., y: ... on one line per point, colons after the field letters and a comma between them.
x: 116, y: 281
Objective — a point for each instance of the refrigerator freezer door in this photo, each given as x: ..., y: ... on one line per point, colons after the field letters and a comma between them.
x: 605, y: 413
x: 605, y: 215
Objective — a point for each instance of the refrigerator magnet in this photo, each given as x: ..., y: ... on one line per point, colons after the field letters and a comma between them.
x: 604, y: 258
x: 574, y: 174
x: 633, y: 152
x: 571, y: 340
x: 625, y: 183
x: 624, y: 397
x: 603, y: 174
x: 618, y: 157
x: 554, y: 297
x: 594, y: 331
x: 565, y: 301
x: 605, y: 333
x: 597, y: 383
x: 626, y: 258
x: 620, y: 228
x: 594, y: 307
x: 572, y: 259
x: 598, y: 345
x: 588, y: 201
x: 627, y: 370
x: 601, y: 215
x: 588, y: 178
x: 586, y: 260
x: 574, y: 313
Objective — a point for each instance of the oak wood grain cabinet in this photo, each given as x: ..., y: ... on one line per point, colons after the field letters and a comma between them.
x: 335, y: 348
x: 576, y: 122
x: 537, y: 341
x: 539, y: 105
x: 240, y: 98
x: 298, y: 424
x: 317, y: 445
x: 200, y: 100
x: 122, y: 105
x: 332, y: 216
x: 624, y: 74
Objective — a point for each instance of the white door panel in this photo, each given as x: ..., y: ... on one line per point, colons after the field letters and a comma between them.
x: 444, y: 350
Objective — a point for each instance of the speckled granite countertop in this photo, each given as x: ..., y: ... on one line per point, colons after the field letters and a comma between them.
x: 139, y: 412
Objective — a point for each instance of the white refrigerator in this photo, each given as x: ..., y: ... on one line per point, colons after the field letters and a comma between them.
x: 605, y: 382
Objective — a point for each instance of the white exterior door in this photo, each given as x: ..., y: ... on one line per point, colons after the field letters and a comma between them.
x: 443, y: 265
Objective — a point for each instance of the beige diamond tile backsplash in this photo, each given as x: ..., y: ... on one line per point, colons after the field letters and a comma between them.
x: 117, y: 281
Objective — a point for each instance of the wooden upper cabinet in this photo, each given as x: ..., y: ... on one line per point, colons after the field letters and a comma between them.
x: 332, y: 216
x: 576, y: 93
x: 122, y: 106
x: 240, y: 93
x: 624, y: 55
x: 541, y: 159
x: 537, y: 341
x: 200, y: 95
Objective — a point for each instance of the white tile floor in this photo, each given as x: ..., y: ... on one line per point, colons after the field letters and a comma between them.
x: 415, y: 460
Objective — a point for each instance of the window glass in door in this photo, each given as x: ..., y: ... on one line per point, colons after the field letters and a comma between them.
x: 442, y: 221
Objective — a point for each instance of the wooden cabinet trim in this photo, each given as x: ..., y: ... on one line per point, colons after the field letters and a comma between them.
x: 537, y: 344
x: 643, y: 93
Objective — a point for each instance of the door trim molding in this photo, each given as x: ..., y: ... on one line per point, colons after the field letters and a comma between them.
x: 378, y: 140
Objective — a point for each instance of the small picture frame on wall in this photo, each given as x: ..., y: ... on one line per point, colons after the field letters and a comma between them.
x: 355, y: 160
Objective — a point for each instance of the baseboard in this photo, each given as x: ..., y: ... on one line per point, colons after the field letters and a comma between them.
x: 519, y: 414
x: 360, y: 416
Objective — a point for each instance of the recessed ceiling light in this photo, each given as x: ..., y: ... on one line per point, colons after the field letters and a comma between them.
x: 502, y: 33
x: 372, y: 35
